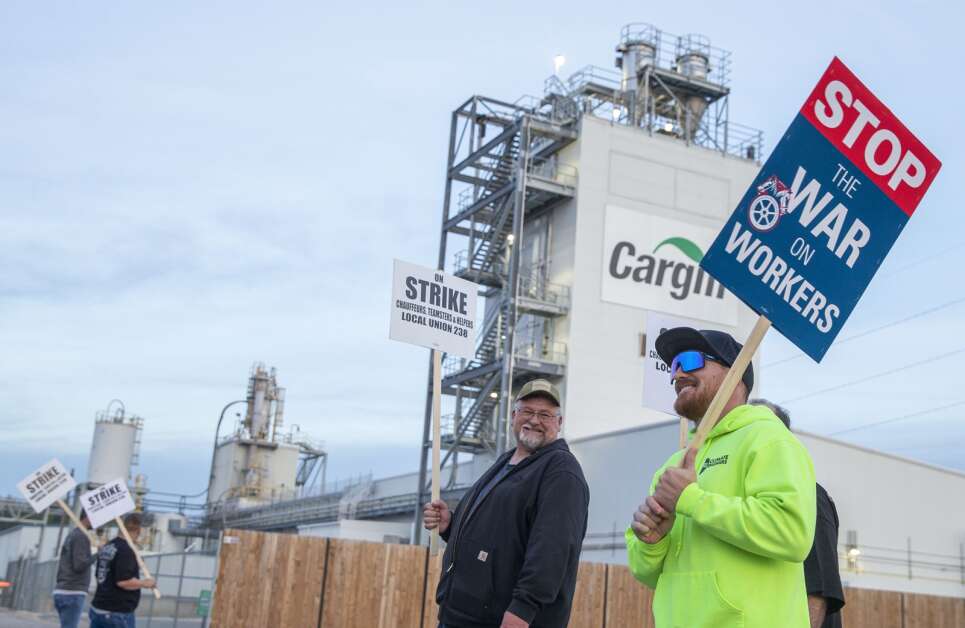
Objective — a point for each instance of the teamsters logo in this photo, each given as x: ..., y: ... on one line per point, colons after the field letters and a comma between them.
x: 769, y: 205
x: 682, y: 278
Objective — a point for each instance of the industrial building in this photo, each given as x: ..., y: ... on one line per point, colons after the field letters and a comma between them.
x: 258, y: 463
x: 570, y: 211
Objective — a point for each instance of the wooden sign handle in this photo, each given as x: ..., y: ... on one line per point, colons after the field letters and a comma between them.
x: 730, y: 382
x: 436, y: 439
x: 683, y: 432
x: 137, y: 554
x: 73, y: 517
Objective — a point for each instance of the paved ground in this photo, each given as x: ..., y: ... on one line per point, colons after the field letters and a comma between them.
x: 19, y: 619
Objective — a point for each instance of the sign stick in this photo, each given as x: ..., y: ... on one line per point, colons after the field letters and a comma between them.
x: 73, y: 517
x: 436, y: 438
x: 683, y: 432
x: 730, y: 382
x: 137, y: 553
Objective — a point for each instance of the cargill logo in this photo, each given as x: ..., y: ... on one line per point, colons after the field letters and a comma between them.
x: 682, y: 279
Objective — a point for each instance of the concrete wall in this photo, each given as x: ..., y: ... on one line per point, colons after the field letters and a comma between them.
x: 890, y: 501
x: 21, y: 541
x: 653, y: 175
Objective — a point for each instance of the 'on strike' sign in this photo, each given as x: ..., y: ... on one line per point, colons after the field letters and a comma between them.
x: 825, y: 209
x: 433, y: 309
x: 106, y: 502
x: 46, y: 485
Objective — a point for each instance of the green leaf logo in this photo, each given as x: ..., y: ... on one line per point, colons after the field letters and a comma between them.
x: 686, y: 247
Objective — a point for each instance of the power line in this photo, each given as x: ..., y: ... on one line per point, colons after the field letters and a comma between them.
x: 875, y: 376
x: 898, y: 418
x: 943, y: 445
x: 920, y: 260
x: 873, y: 330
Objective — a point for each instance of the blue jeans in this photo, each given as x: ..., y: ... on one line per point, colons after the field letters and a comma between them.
x: 111, y: 620
x: 69, y: 608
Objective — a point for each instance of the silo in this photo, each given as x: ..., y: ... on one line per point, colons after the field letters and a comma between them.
x: 113, y: 449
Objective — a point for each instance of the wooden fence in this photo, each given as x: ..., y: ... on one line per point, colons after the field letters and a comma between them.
x: 309, y: 582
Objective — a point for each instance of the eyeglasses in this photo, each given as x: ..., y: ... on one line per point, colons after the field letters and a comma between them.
x: 529, y: 414
x: 689, y: 361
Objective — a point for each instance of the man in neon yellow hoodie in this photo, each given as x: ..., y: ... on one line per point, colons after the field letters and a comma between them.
x: 723, y: 535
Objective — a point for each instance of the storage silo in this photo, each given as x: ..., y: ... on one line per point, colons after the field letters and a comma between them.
x: 114, y: 448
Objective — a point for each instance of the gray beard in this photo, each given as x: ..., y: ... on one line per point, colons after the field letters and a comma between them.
x: 531, y: 442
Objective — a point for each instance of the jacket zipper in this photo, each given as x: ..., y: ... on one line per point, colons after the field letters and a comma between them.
x: 455, y: 540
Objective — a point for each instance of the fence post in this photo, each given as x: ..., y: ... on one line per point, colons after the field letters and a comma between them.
x: 150, y: 610
x: 909, y: 558
x: 177, y: 600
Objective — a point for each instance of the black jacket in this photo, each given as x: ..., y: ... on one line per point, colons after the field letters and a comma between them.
x: 520, y: 549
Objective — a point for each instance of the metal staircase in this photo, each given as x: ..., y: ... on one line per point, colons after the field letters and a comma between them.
x: 503, y: 171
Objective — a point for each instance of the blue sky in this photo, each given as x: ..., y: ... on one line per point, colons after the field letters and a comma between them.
x: 191, y: 187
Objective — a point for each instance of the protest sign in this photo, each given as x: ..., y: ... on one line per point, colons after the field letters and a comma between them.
x: 822, y: 214
x: 106, y: 502
x: 109, y: 502
x: 816, y: 223
x: 436, y: 310
x: 46, y: 485
x: 433, y: 309
x: 49, y: 485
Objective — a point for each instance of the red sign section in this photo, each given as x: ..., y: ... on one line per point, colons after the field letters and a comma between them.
x: 859, y: 125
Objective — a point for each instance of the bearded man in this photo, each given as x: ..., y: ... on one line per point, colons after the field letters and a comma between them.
x: 724, y: 532
x: 513, y: 543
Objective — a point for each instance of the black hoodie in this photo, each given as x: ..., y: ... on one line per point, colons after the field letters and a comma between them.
x: 520, y: 548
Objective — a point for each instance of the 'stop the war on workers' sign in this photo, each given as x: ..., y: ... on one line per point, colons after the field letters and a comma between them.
x: 813, y: 228
x: 107, y: 501
x: 46, y: 485
x: 433, y: 309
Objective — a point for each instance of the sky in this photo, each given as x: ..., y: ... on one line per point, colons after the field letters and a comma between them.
x: 187, y: 188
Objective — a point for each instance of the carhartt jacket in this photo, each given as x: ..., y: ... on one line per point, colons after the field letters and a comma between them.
x: 520, y: 548
x: 734, y: 555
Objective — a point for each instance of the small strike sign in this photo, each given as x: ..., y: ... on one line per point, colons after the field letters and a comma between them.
x: 107, y: 502
x: 46, y: 485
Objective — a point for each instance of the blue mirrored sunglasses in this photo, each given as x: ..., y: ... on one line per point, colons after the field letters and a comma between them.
x: 688, y: 361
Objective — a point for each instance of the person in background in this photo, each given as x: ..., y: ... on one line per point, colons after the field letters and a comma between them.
x: 118, y: 581
x: 73, y: 574
x: 821, y: 576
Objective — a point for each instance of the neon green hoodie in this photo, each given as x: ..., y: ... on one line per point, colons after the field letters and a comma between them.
x: 734, y: 555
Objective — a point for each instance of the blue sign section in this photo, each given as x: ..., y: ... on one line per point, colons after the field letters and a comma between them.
x: 806, y: 239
